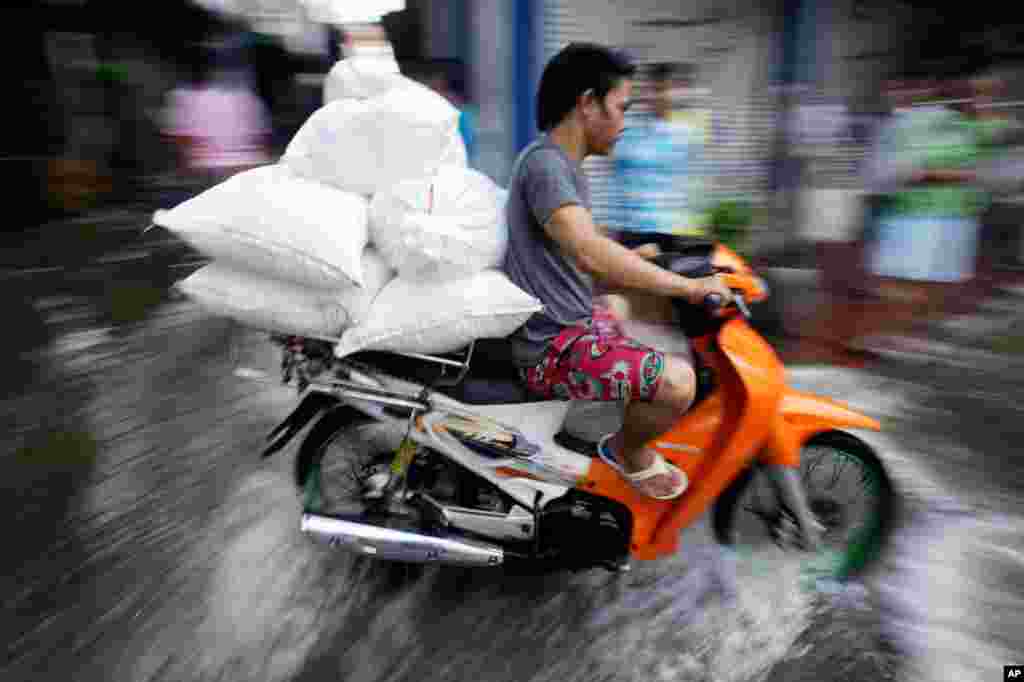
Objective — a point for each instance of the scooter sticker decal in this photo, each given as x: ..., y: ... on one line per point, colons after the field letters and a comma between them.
x: 493, y: 438
x: 480, y: 429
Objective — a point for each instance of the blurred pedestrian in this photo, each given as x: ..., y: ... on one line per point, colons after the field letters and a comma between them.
x: 657, y: 169
x: 924, y: 203
x: 993, y: 122
x: 924, y: 166
x: 450, y: 83
x: 1000, y: 173
x: 218, y: 122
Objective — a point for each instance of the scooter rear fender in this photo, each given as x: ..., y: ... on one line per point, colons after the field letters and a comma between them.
x: 313, y: 404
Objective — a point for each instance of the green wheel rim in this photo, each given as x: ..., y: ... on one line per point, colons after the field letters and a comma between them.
x: 312, y: 498
x: 865, y: 542
x: 847, y: 490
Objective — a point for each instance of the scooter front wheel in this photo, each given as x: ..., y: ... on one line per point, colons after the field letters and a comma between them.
x: 848, y: 491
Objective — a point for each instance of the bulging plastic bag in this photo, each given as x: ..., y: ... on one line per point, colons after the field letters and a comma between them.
x: 269, y: 222
x: 361, y: 77
x: 443, y: 227
x: 440, y: 317
x: 366, y: 145
x: 266, y: 303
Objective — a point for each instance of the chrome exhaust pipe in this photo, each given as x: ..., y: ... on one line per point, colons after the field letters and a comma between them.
x: 400, y: 545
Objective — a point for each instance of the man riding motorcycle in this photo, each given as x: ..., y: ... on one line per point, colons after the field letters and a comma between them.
x: 557, y: 253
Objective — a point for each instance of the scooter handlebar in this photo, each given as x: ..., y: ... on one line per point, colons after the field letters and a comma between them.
x: 713, y: 302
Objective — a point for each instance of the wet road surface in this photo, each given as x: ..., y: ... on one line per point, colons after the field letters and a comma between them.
x: 146, y: 539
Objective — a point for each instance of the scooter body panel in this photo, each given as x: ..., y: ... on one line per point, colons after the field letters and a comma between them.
x: 712, y: 443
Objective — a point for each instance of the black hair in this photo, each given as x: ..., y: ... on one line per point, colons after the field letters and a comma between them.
x: 661, y: 72
x: 198, y: 64
x: 576, y: 69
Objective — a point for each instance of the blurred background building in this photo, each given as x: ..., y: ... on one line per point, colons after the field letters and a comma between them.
x: 788, y: 91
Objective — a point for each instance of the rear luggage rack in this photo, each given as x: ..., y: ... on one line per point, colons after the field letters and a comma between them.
x: 463, y: 365
x: 445, y: 379
x: 306, y: 358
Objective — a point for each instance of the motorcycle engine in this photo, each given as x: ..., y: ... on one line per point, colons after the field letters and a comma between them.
x: 585, y: 529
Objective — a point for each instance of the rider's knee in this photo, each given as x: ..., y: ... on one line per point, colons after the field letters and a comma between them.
x: 678, y: 385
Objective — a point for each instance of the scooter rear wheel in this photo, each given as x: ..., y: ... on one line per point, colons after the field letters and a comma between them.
x: 848, y: 490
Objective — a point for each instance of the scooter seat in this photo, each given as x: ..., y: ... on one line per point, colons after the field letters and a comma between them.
x: 492, y: 378
x: 475, y: 391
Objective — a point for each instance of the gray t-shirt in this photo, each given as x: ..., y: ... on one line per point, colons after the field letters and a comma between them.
x: 543, y: 180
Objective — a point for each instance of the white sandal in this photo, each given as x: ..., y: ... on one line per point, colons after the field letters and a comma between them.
x: 657, y: 468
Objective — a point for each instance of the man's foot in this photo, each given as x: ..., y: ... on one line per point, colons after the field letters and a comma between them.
x: 658, y: 479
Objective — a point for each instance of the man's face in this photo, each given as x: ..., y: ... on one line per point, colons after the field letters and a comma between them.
x: 985, y: 91
x: 663, y: 91
x: 605, y: 123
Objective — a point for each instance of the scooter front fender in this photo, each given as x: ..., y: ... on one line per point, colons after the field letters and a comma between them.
x: 800, y: 417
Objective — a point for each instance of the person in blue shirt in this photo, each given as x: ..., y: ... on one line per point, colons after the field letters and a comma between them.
x: 655, y: 169
x: 448, y: 80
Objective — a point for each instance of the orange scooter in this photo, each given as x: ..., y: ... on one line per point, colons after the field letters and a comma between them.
x: 447, y: 459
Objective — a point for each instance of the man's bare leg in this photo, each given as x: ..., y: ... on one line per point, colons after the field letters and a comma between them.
x: 646, y: 421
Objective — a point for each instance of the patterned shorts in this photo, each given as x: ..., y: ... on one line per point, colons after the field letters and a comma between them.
x: 596, y: 361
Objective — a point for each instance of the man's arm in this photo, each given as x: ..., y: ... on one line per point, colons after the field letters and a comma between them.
x: 555, y: 203
x: 645, y: 251
x: 615, y: 266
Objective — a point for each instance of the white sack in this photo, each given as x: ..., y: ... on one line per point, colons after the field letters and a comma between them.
x: 440, y: 317
x: 270, y: 222
x: 358, y: 301
x: 273, y: 305
x: 443, y: 227
x: 367, y: 145
x: 362, y: 76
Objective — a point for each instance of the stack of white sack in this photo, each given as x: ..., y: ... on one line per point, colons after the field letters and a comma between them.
x: 446, y: 236
x: 290, y: 255
x: 441, y: 227
x: 404, y: 130
x: 362, y: 77
x: 440, y: 224
x: 270, y: 222
x: 262, y: 302
x: 292, y: 243
x: 440, y: 317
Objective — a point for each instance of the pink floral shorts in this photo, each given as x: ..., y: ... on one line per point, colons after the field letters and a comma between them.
x: 597, y: 361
